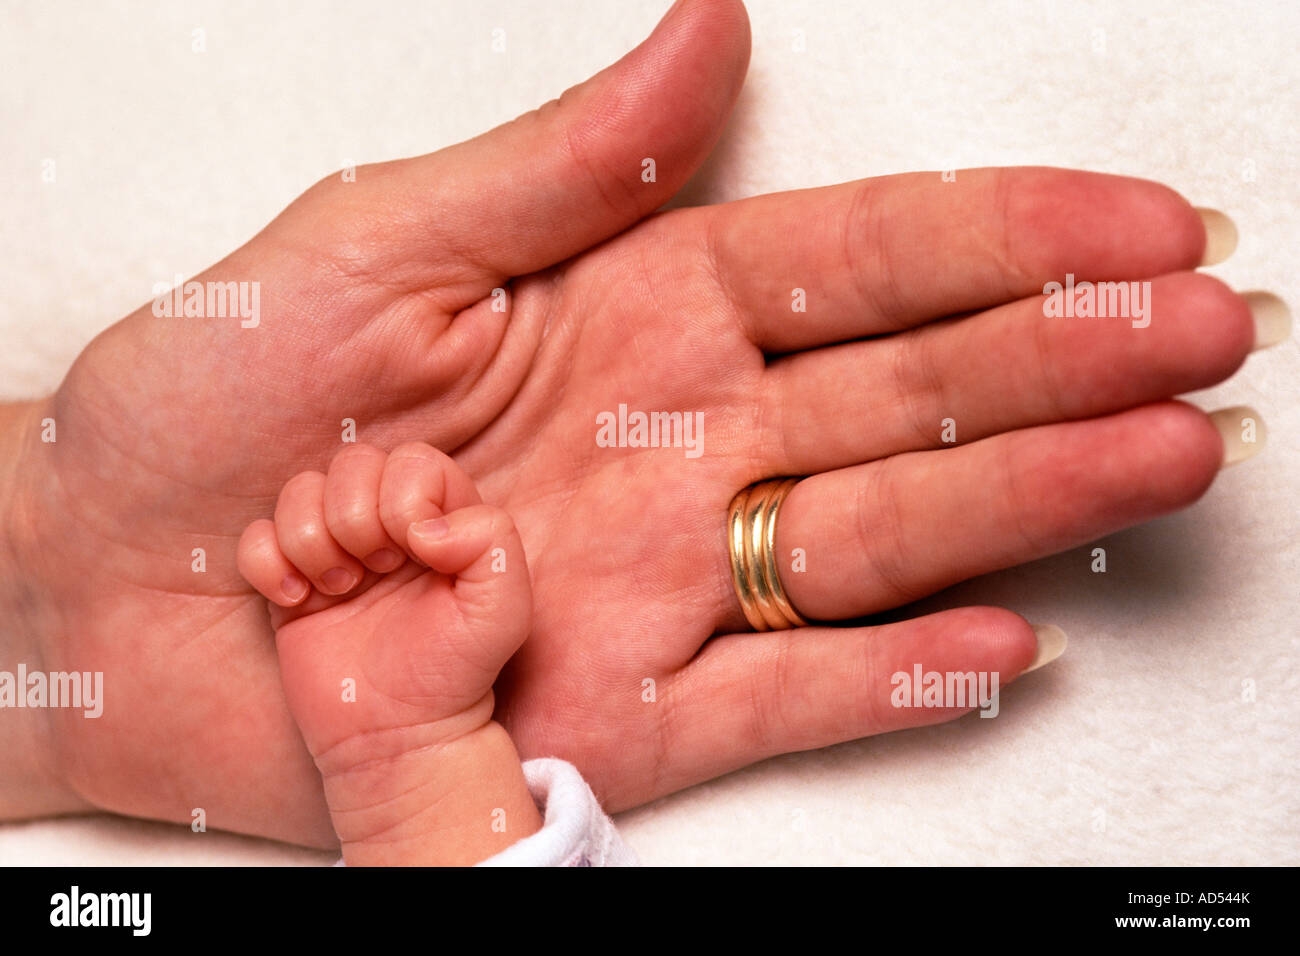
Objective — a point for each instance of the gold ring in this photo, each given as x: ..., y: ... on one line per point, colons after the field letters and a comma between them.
x: 751, y: 539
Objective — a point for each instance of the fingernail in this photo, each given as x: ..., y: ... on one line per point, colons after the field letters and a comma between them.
x: 383, y: 561
x: 294, y: 587
x: 338, y: 581
x: 1272, y: 318
x: 1051, y: 645
x: 433, y: 529
x: 1242, y: 431
x: 1220, y: 236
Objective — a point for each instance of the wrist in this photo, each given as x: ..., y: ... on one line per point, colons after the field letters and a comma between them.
x: 455, y: 803
x: 31, y: 780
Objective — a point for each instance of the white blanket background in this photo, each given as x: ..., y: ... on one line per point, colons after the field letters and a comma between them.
x: 1137, y: 747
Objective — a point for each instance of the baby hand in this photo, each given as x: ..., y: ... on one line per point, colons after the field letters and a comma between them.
x: 397, y: 596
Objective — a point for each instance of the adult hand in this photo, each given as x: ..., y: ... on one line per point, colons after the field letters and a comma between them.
x: 377, y: 305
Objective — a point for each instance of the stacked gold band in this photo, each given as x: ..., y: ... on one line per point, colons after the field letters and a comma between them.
x: 751, y: 537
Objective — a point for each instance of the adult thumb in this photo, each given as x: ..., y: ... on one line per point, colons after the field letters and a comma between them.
x: 568, y: 175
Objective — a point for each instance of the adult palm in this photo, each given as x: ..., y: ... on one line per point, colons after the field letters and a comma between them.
x: 492, y: 300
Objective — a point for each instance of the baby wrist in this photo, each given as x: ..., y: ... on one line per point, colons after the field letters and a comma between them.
x: 455, y: 803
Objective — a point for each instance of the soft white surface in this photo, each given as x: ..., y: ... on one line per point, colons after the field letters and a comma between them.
x: 1135, y: 747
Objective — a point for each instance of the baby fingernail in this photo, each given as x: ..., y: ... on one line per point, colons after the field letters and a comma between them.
x: 1220, y: 236
x: 1242, y: 431
x: 383, y: 561
x: 294, y: 587
x: 1272, y: 318
x: 1051, y: 645
x: 338, y: 580
x: 433, y: 529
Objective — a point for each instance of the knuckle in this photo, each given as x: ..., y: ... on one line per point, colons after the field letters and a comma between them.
x: 355, y: 453
x: 255, y: 546
x: 879, y: 528
x: 874, y: 713
x: 769, y: 722
x: 414, y: 449
x: 354, y: 516
x: 502, y: 523
x: 394, y: 515
x: 1032, y: 542
x: 1055, y: 394
x: 1012, y: 195
x: 412, y: 460
x: 302, y: 485
x: 919, y: 386
x: 877, y: 287
x: 252, y: 536
x: 304, y: 538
